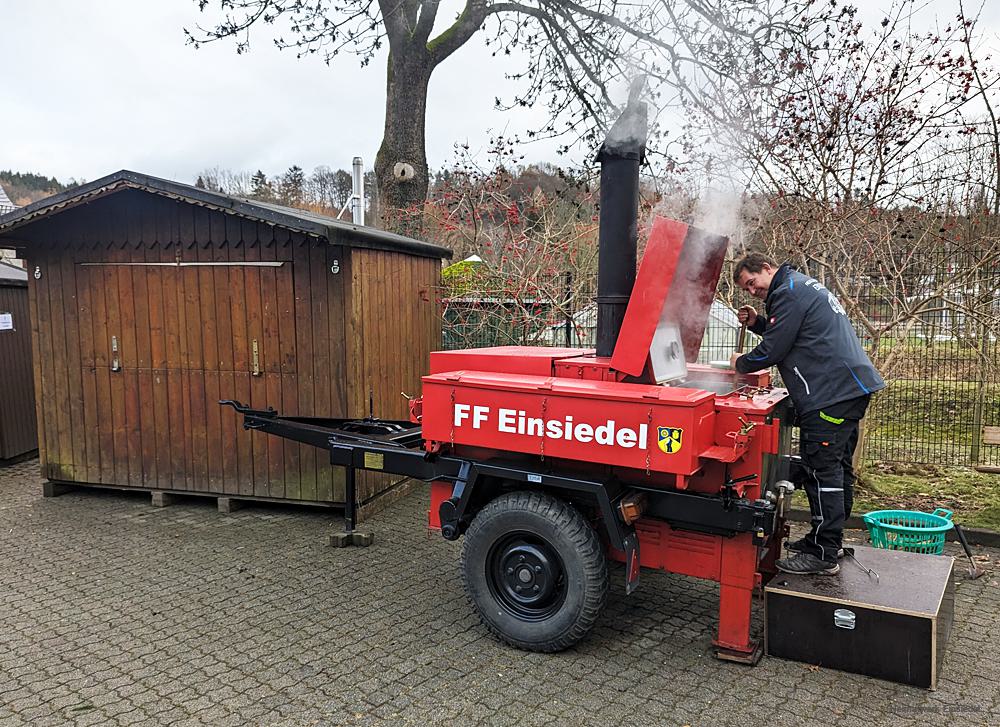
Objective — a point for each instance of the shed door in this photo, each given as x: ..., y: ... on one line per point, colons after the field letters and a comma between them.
x: 169, y: 341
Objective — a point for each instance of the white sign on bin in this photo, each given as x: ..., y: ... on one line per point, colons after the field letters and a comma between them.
x: 6, y: 322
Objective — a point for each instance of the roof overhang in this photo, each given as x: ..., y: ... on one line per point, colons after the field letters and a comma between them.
x: 315, y: 225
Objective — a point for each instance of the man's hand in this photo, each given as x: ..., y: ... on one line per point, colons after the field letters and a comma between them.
x: 747, y: 314
x: 732, y: 360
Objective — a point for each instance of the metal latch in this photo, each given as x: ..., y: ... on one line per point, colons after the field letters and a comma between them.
x: 844, y: 619
x: 115, y: 363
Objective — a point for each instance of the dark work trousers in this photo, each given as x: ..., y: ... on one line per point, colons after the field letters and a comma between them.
x: 827, y: 440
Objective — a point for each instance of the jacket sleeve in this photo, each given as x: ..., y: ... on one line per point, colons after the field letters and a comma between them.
x: 779, y: 335
x: 759, y: 324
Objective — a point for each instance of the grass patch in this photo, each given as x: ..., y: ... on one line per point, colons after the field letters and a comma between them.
x: 973, y: 496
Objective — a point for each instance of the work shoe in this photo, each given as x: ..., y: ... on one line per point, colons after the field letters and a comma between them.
x: 807, y: 563
x: 802, y: 546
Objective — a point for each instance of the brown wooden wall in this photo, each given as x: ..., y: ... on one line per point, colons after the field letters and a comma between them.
x: 185, y: 340
x: 17, y: 397
x: 393, y: 325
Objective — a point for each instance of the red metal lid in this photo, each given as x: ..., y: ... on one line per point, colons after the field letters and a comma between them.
x: 676, y: 283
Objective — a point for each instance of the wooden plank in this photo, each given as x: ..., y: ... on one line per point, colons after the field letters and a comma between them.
x: 88, y: 371
x: 991, y: 435
x: 117, y: 419
x: 60, y: 378
x: 245, y: 450
x: 225, y: 428
x: 94, y: 281
x: 36, y: 356
x: 255, y: 332
x: 156, y: 233
x: 308, y: 464
x: 170, y: 422
x: 130, y: 369
x: 322, y: 363
x: 270, y: 348
x: 188, y: 354
x: 240, y: 350
x: 209, y: 376
x: 285, y: 295
x: 72, y: 325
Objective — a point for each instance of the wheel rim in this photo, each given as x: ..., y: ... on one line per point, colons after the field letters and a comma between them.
x: 526, y: 576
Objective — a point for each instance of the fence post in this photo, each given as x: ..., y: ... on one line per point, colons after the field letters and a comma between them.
x: 569, y: 309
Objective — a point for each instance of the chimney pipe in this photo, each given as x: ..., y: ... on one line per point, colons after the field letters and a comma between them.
x: 620, y: 156
x: 358, y: 197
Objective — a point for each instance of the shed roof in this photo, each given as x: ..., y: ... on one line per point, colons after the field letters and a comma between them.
x: 309, y: 223
x: 12, y: 275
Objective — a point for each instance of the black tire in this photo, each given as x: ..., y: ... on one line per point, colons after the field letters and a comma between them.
x: 535, y: 571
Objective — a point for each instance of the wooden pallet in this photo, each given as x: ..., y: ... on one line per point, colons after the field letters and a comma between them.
x: 228, y: 503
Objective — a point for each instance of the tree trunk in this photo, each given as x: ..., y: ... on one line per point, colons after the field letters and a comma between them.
x: 401, y: 162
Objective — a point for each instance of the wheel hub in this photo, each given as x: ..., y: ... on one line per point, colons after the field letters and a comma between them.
x: 527, y: 577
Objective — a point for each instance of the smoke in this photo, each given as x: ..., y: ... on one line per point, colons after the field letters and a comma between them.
x: 713, y: 214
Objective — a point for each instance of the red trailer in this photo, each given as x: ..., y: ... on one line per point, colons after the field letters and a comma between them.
x: 550, y: 461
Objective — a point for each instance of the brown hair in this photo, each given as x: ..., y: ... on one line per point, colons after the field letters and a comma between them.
x: 753, y: 262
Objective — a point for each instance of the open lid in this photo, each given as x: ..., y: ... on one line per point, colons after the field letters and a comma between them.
x: 673, y: 290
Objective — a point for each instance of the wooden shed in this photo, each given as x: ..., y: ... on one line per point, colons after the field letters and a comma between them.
x: 152, y: 300
x: 17, y: 395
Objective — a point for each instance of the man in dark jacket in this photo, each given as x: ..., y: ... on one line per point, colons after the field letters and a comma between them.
x: 807, y: 335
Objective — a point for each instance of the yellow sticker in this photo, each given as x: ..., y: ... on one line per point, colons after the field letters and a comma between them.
x: 669, y: 439
x: 374, y: 461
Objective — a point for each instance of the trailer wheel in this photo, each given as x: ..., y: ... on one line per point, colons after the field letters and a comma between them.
x: 535, y: 571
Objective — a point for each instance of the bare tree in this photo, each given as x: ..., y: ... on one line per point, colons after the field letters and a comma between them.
x: 571, y: 50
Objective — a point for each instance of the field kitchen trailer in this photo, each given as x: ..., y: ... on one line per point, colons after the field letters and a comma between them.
x: 550, y: 461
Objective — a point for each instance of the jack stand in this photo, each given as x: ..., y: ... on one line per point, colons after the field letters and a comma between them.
x: 348, y: 536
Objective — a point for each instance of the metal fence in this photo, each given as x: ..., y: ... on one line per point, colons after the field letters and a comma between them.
x: 944, y: 385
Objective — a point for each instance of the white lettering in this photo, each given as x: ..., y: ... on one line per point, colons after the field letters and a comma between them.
x: 515, y: 421
x: 583, y: 432
x: 605, y: 434
x: 479, y: 415
x: 626, y: 438
x: 506, y: 423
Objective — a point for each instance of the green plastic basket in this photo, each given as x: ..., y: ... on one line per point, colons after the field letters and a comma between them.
x: 916, y: 532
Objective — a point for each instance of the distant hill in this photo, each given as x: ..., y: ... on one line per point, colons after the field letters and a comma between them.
x: 26, y: 187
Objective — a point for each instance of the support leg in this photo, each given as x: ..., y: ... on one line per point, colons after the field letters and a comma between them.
x: 161, y: 499
x: 54, y: 489
x: 736, y: 584
x: 348, y: 536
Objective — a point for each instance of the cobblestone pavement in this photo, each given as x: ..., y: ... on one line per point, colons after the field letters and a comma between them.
x: 117, y: 613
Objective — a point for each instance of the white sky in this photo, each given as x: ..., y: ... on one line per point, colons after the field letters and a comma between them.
x: 93, y: 87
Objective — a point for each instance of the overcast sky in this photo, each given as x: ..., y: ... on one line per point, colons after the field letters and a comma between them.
x: 93, y: 87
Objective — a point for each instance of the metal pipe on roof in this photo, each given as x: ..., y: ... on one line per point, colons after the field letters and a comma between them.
x: 358, y: 198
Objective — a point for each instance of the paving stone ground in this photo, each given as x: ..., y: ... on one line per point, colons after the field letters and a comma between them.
x: 113, y: 612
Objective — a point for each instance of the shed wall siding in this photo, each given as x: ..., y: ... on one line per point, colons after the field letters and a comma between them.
x: 185, y: 340
x: 18, y: 429
x: 393, y: 324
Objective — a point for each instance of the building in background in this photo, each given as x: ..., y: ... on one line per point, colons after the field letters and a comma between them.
x: 7, y: 206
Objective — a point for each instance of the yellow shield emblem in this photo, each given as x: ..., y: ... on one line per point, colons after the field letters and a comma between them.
x: 669, y: 439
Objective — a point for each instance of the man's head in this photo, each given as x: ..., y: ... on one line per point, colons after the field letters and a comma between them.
x: 754, y: 273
